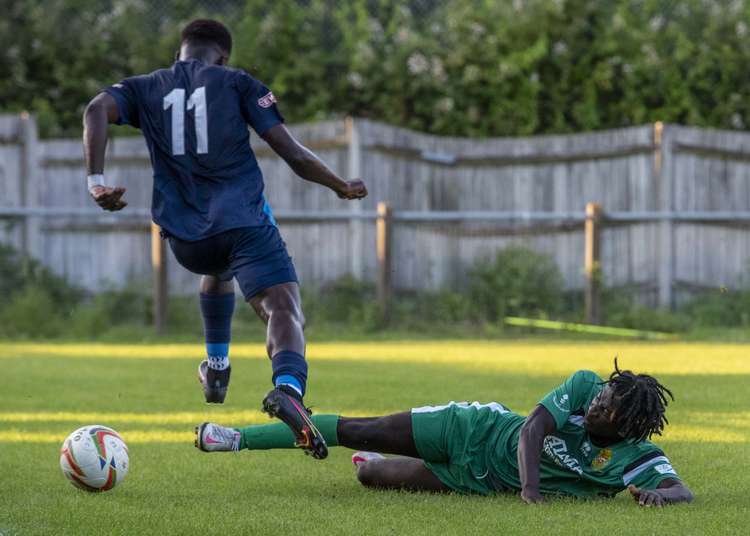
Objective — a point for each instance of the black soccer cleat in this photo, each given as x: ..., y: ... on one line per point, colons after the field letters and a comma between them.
x: 286, y: 404
x: 215, y: 382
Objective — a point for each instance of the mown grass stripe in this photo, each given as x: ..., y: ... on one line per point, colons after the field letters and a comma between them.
x: 496, y: 356
x: 681, y: 434
x: 131, y: 437
x: 180, y: 417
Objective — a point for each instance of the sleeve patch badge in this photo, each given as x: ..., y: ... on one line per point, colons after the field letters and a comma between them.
x: 560, y: 404
x: 664, y: 468
x: 267, y: 100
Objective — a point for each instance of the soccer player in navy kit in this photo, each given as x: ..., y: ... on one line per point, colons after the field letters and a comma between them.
x: 208, y: 199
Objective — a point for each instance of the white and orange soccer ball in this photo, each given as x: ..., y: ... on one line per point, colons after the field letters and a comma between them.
x: 94, y: 458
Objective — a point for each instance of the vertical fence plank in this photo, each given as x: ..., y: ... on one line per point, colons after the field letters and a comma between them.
x: 354, y: 170
x: 29, y: 139
x: 593, y: 263
x: 663, y: 173
x: 384, y: 231
x: 159, y: 264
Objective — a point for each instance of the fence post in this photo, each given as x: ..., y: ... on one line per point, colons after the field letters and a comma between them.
x: 29, y: 139
x: 662, y: 170
x: 383, y: 232
x: 592, y: 263
x: 159, y: 265
x: 356, y: 226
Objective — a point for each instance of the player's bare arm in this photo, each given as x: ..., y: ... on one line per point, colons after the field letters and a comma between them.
x: 307, y: 165
x: 669, y: 491
x: 100, y: 112
x: 538, y: 424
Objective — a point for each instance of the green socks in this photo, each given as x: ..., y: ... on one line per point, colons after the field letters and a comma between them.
x: 279, y: 436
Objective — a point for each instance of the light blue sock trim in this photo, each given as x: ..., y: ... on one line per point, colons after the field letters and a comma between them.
x: 287, y: 379
x: 217, y: 349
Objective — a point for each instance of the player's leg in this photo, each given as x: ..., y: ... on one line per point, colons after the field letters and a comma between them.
x: 211, y: 256
x: 389, y: 434
x: 280, y: 308
x: 268, y: 281
x: 217, y: 307
x: 399, y: 473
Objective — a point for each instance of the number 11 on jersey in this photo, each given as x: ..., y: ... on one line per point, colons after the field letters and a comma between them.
x: 197, y: 102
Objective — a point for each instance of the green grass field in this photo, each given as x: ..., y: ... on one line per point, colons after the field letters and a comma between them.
x: 149, y: 393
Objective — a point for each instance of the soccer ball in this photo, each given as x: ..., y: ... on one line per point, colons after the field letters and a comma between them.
x: 94, y: 458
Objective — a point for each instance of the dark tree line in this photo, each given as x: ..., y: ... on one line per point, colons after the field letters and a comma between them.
x: 458, y: 67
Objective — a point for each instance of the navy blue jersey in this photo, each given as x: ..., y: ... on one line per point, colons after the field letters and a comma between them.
x: 194, y: 117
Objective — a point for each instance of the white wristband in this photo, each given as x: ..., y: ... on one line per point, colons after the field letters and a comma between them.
x: 95, y: 180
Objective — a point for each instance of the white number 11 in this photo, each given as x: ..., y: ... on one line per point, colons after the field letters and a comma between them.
x: 197, y: 101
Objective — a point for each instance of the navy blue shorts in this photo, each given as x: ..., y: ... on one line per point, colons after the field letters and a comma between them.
x: 256, y: 256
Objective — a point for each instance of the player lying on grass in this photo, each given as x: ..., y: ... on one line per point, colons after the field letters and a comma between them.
x: 586, y: 438
x: 208, y: 199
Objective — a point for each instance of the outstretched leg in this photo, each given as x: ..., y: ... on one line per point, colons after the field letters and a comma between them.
x: 391, y: 434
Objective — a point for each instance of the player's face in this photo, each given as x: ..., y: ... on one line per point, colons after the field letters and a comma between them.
x: 600, y: 417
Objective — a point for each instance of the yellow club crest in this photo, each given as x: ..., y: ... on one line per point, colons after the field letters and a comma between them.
x: 602, y: 459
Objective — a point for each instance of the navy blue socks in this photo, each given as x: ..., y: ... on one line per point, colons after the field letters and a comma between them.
x: 217, y: 312
x: 290, y: 368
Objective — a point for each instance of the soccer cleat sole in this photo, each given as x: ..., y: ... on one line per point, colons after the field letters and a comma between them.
x: 198, y: 434
x: 309, y: 438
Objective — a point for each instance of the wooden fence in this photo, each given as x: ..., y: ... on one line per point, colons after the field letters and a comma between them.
x: 675, y: 201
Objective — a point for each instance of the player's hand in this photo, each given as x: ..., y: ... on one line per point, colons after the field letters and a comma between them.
x: 354, y: 189
x: 646, y: 497
x: 109, y: 198
x: 531, y: 496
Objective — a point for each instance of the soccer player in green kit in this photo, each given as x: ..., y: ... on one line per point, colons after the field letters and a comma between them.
x: 586, y: 438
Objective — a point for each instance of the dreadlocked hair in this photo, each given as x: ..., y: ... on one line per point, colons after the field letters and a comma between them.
x: 642, y: 402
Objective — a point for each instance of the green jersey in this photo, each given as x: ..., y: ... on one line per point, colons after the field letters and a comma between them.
x: 474, y: 447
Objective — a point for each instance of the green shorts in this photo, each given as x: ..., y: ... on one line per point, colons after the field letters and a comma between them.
x: 458, y: 442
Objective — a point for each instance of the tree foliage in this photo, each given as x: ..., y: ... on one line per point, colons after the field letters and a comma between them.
x: 456, y: 67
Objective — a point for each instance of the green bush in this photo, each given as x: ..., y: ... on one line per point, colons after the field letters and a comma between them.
x: 719, y: 308
x: 110, y: 308
x: 344, y: 300
x: 517, y: 282
x: 37, y: 302
x: 184, y: 315
x: 32, y: 313
x: 620, y: 310
x: 352, y: 302
x: 420, y: 311
x: 40, y: 304
x: 17, y: 272
x: 456, y: 67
